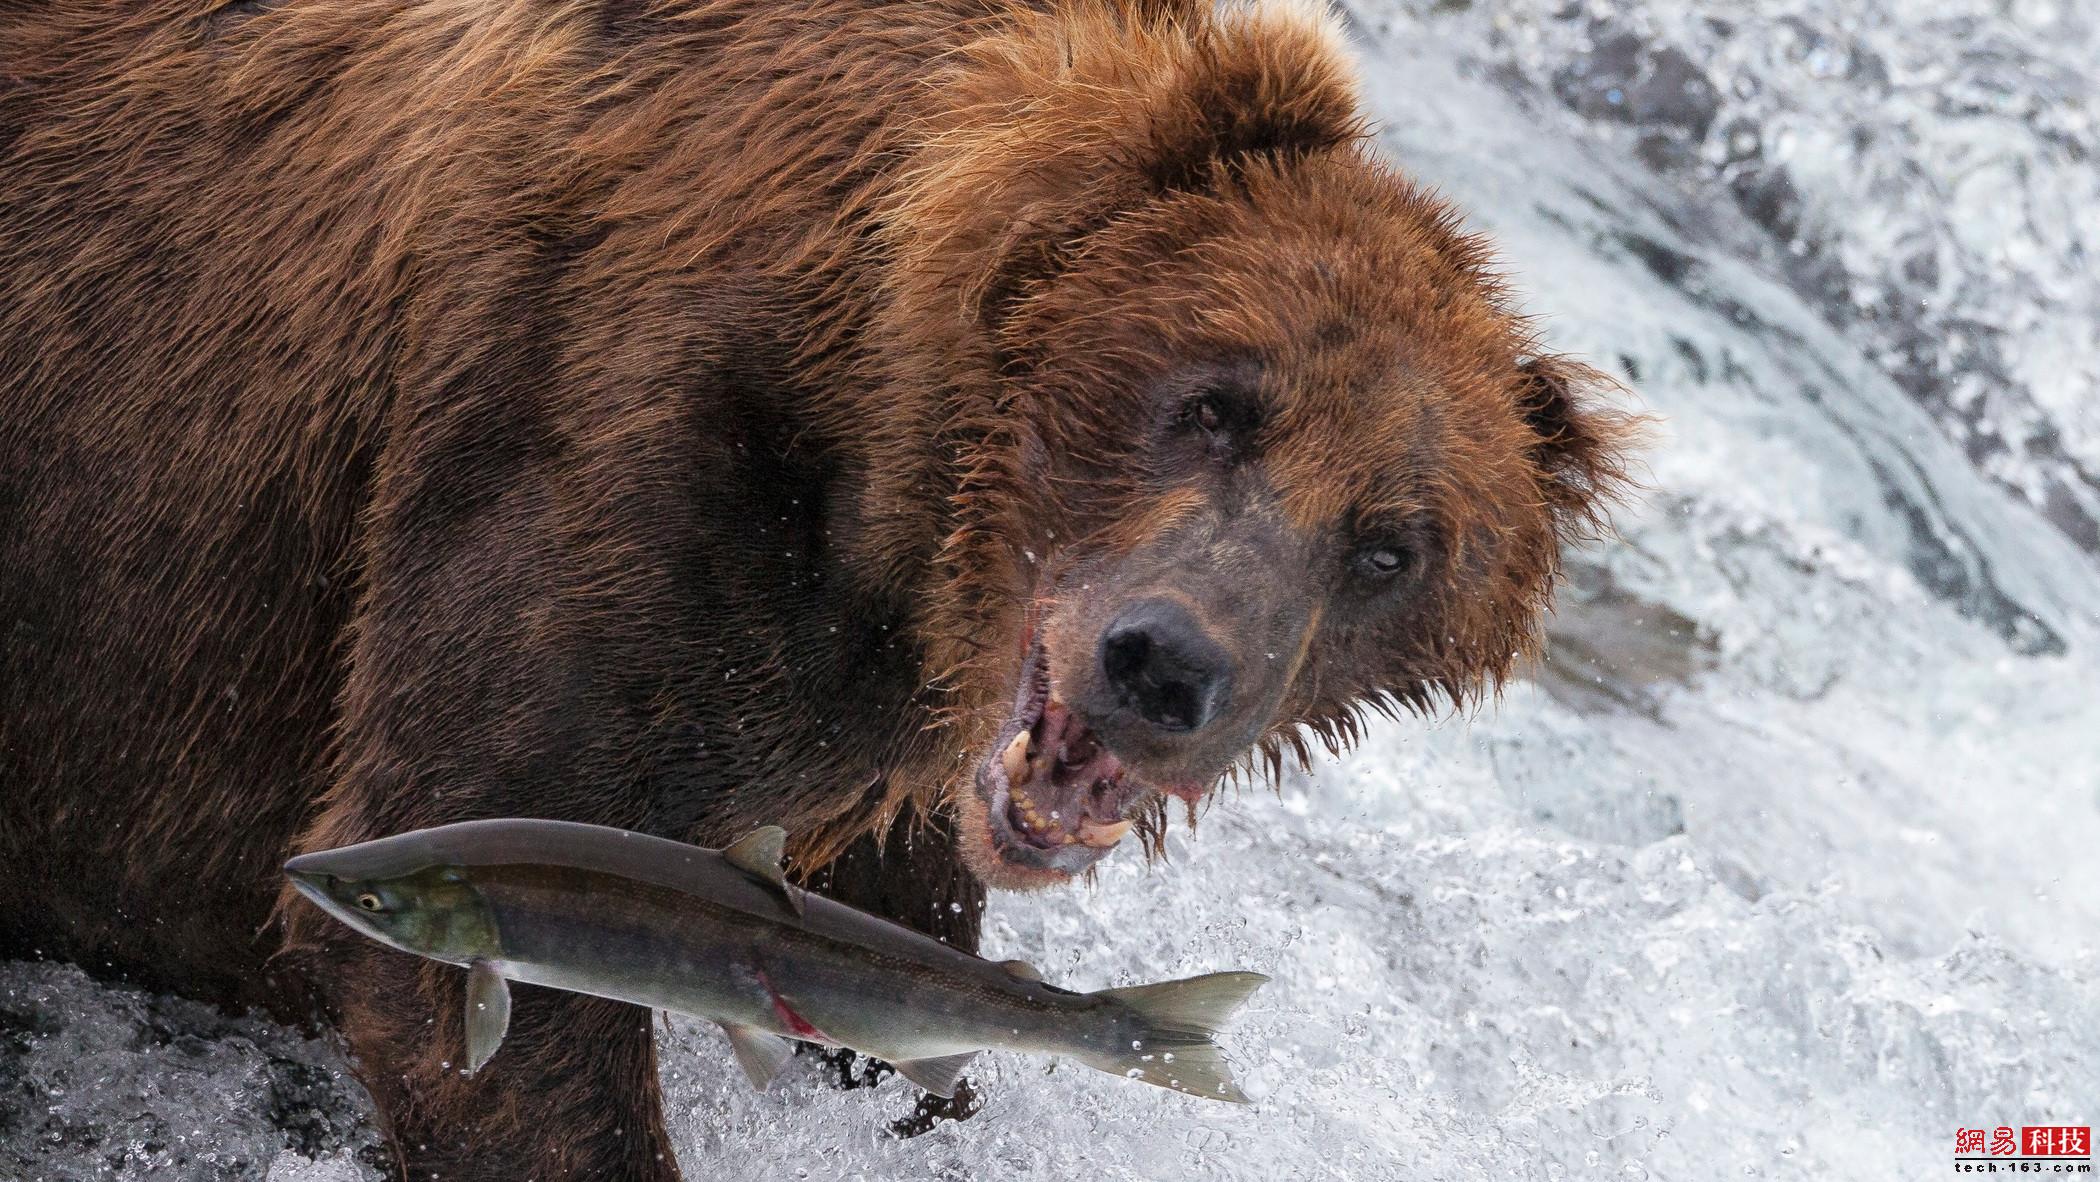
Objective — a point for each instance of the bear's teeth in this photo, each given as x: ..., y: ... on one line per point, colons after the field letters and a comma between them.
x: 1015, y: 760
x: 1095, y: 833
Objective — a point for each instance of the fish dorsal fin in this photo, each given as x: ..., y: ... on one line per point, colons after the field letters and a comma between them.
x: 488, y: 1012
x: 758, y: 855
x: 1020, y: 970
x: 760, y: 1054
x: 937, y: 1075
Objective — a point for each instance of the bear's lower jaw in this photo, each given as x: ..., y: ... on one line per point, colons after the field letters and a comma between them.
x: 1049, y: 798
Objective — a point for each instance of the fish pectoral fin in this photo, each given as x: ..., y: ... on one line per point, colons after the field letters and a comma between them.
x: 759, y: 854
x: 488, y: 1012
x: 760, y: 1054
x: 936, y: 1075
x: 1021, y: 970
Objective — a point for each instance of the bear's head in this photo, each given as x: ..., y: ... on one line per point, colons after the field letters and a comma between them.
x: 1231, y: 429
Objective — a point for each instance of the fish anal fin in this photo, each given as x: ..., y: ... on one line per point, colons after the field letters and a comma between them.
x: 488, y: 1012
x: 936, y: 1075
x: 758, y: 855
x: 759, y: 1053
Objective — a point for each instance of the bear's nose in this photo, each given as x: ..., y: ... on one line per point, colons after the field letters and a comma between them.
x: 1162, y: 666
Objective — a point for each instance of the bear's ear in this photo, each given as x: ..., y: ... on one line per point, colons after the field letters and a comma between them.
x: 1580, y: 449
x: 1267, y: 86
x: 1068, y: 116
x: 1256, y: 95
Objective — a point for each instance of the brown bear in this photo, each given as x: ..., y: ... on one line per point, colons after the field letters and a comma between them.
x: 949, y: 429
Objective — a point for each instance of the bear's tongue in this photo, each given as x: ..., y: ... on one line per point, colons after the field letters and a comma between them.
x: 1063, y: 785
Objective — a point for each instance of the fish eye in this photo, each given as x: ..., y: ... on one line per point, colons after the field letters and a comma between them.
x: 370, y: 901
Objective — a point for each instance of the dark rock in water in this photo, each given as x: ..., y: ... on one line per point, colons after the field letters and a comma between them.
x: 1626, y: 80
x: 304, y: 1102
x: 932, y: 1110
x: 1609, y: 649
x: 101, y: 1082
x: 1832, y: 131
x: 1768, y: 195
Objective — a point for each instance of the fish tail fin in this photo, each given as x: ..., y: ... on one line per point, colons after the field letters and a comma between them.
x: 1193, y: 1007
x: 1180, y: 1018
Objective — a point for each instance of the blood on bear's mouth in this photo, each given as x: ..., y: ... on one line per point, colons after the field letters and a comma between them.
x: 1054, y: 796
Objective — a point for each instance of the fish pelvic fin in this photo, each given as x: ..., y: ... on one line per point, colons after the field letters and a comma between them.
x: 1180, y: 1018
x: 758, y: 855
x: 760, y: 1054
x: 488, y: 1013
x: 937, y: 1075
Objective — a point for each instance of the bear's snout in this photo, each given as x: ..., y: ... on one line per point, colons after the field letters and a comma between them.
x: 1163, y: 669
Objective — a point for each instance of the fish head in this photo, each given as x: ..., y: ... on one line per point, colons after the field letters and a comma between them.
x: 419, y: 905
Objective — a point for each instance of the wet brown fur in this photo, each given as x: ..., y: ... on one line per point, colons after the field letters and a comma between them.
x: 644, y: 413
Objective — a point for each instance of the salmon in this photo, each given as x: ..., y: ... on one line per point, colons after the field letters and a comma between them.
x: 723, y: 936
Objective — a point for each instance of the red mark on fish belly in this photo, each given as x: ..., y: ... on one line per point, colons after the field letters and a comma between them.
x: 796, y: 1024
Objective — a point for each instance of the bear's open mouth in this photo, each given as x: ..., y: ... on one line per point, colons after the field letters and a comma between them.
x: 1054, y: 796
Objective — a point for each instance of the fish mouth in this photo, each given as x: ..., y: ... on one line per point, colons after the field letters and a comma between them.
x: 1054, y: 798
x: 319, y: 888
x: 308, y: 883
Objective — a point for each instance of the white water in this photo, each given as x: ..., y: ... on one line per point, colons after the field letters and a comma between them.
x: 1788, y: 863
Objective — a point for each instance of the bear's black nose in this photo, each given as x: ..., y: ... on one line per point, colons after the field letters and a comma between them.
x: 1162, y: 666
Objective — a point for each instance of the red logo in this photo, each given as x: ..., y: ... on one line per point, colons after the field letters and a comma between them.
x: 1984, y: 1151
x: 2056, y: 1141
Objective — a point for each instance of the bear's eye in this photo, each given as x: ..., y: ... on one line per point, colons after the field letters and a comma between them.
x: 1379, y: 562
x: 1205, y: 414
x: 1223, y: 419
